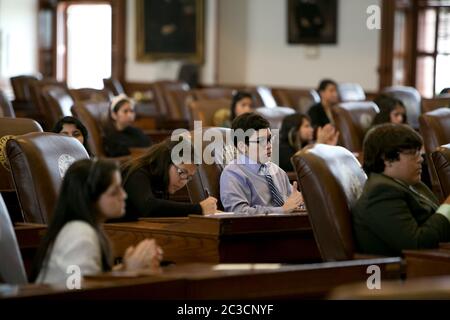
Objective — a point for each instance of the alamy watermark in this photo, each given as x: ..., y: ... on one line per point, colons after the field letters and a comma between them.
x: 373, y: 21
x: 374, y: 280
x: 214, y: 146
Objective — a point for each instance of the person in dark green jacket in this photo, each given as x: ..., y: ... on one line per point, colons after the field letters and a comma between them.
x: 396, y: 211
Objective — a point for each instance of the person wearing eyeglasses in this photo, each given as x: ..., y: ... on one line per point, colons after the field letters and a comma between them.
x: 251, y: 183
x: 151, y: 178
x: 396, y: 211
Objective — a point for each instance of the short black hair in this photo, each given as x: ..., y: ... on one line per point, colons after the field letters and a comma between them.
x: 325, y: 83
x: 238, y: 96
x: 385, y: 142
x: 387, y: 104
x: 248, y: 121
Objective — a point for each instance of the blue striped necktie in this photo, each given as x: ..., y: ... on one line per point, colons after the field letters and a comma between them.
x: 277, y: 199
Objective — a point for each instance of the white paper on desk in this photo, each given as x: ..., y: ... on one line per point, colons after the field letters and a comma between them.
x: 246, y: 266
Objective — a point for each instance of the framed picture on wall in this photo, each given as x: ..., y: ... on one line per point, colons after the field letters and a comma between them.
x: 312, y: 21
x: 170, y: 29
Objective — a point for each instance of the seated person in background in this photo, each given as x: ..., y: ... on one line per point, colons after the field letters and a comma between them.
x: 73, y: 127
x: 151, y: 178
x: 296, y: 133
x: 119, y: 134
x: 251, y: 183
x: 321, y: 113
x: 396, y: 211
x: 392, y: 110
x: 91, y: 192
x: 241, y: 103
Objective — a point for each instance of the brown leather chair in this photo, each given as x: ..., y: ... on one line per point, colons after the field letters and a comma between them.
x: 275, y: 115
x: 10, y: 127
x: 113, y: 86
x: 435, y: 103
x: 411, y: 99
x: 38, y: 163
x: 178, y: 103
x: 352, y: 120
x: 6, y: 109
x: 435, y: 131
x: 160, y: 89
x: 213, y: 93
x: 58, y: 103
x: 12, y: 270
x: 90, y: 94
x: 297, y: 99
x: 441, y: 163
x: 349, y: 92
x: 22, y: 103
x: 206, y: 179
x: 93, y: 115
x: 204, y: 110
x: 331, y: 180
x: 21, y: 86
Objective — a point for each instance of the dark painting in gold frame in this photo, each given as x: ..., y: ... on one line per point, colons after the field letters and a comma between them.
x: 170, y: 29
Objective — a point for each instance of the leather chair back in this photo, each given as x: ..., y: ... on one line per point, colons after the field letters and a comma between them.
x: 297, y: 99
x: 331, y: 180
x: 93, y: 115
x: 38, y: 163
x: 12, y: 270
x: 349, y: 92
x: 435, y: 103
x: 204, y: 110
x: 6, y: 108
x: 353, y: 119
x: 441, y: 163
x: 21, y: 87
x: 113, y: 86
x: 10, y: 127
x: 411, y: 99
x: 207, y: 177
x: 213, y: 93
x: 90, y: 94
x: 160, y: 89
x: 435, y: 131
x: 178, y: 101
x: 57, y: 102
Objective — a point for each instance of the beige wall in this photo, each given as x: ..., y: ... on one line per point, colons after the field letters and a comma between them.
x: 254, y: 50
x: 18, y: 38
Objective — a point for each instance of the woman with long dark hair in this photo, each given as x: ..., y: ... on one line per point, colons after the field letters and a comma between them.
x: 151, y: 178
x: 91, y: 193
x: 297, y: 132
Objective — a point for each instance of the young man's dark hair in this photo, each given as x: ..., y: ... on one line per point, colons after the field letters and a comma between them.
x: 248, y: 121
x: 385, y: 142
x: 325, y: 83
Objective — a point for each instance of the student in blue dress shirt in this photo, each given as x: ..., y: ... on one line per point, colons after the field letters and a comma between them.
x: 252, y: 183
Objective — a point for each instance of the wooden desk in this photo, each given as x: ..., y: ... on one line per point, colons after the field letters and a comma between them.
x: 204, y: 281
x: 29, y: 237
x: 427, y: 263
x: 286, y: 238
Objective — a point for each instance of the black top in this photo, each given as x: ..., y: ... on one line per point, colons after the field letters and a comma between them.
x: 146, y: 198
x: 318, y: 115
x: 286, y: 152
x: 117, y: 143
